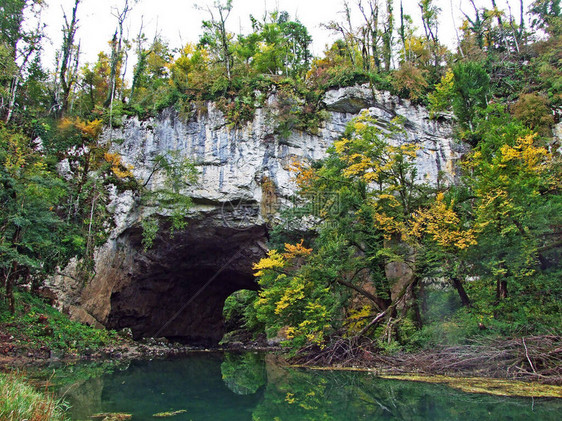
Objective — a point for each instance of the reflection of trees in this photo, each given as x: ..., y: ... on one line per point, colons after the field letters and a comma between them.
x: 216, y: 387
x: 328, y: 395
x: 243, y: 374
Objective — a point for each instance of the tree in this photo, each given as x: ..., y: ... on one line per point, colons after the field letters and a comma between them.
x: 19, y: 44
x: 116, y: 59
x: 140, y: 67
x: 368, y: 183
x: 517, y: 207
x: 292, y: 298
x: 347, y: 34
x: 68, y: 60
x: 189, y: 71
x: 151, y: 74
x: 8, y: 72
x: 285, y: 46
x: 533, y: 110
x: 95, y: 85
x: 477, y: 25
x: 387, y: 34
x: 471, y: 88
x: 547, y: 16
x: 370, y: 35
x: 89, y: 169
x: 32, y: 239
x: 216, y: 36
x: 430, y: 18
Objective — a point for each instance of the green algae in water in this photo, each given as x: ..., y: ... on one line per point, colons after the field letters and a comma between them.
x: 499, y: 387
x: 111, y: 417
x: 169, y: 413
x: 252, y: 387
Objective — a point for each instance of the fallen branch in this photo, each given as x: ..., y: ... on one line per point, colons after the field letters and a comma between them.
x: 500, y: 358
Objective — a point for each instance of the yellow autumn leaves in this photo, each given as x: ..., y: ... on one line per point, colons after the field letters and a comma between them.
x: 439, y: 221
x: 276, y: 260
x: 117, y: 166
x: 89, y: 131
x: 442, y: 223
x: 368, y: 156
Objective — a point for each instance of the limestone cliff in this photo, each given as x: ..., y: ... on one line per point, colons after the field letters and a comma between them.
x: 177, y: 289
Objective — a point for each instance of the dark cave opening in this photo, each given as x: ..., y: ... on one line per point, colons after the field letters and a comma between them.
x: 178, y: 288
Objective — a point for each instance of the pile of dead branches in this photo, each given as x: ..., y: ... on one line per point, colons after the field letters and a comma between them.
x: 536, y: 358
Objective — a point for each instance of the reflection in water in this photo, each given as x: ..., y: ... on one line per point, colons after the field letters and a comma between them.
x: 244, y: 373
x: 251, y: 387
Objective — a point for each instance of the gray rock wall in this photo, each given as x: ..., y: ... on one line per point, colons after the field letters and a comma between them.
x: 234, y: 162
x: 142, y: 290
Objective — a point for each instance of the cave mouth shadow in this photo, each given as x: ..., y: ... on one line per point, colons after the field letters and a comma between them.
x: 178, y: 288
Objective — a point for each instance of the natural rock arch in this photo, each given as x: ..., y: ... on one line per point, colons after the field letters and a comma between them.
x: 178, y: 288
x: 143, y: 290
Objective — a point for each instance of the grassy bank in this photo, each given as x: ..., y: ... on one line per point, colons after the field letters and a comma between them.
x: 20, y: 401
x: 38, y: 330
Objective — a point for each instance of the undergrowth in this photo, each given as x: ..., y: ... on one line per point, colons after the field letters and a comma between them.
x: 37, y: 325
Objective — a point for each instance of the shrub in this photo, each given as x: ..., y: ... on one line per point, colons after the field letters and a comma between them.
x: 410, y: 81
x: 534, y: 111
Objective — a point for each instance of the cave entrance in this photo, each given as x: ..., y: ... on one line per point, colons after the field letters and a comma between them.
x: 178, y: 288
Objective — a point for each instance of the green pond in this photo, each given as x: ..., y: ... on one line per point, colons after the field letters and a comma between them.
x: 250, y: 386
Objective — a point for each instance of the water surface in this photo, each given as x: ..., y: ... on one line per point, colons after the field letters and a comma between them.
x: 252, y: 387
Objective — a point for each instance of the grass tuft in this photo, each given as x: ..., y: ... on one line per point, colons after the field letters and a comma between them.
x: 20, y: 401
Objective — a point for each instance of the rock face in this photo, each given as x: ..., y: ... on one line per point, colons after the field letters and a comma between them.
x: 177, y: 288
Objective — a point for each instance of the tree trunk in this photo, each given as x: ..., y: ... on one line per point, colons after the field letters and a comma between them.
x: 68, y: 55
x: 10, y: 288
x: 12, y: 103
x: 462, y: 293
x: 501, y: 289
x: 414, y: 294
x: 390, y: 311
x: 381, y: 303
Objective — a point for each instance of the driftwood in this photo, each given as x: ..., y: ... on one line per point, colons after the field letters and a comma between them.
x: 536, y: 358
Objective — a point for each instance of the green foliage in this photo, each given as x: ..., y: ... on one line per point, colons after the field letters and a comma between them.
x: 499, y: 227
x: 410, y: 81
x: 449, y: 331
x: 151, y: 90
x: 244, y: 374
x: 441, y: 99
x: 368, y: 183
x: 284, y: 48
x: 471, y: 88
x: 299, y: 302
x: 20, y: 45
x: 32, y: 235
x: 150, y: 228
x: 239, y: 311
x: 495, y: 237
x: 20, y: 401
x: 172, y: 175
x: 8, y: 71
x: 547, y: 16
x: 37, y: 325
